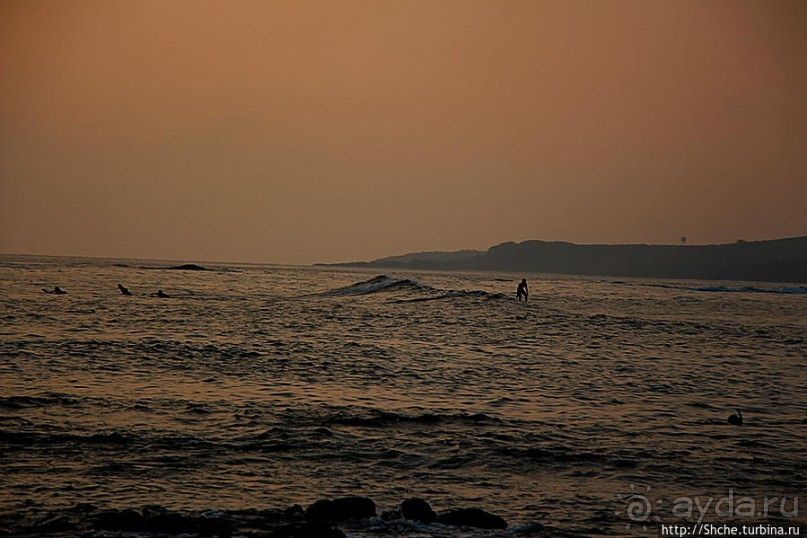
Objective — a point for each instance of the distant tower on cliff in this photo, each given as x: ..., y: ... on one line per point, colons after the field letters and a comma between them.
x: 683, y: 240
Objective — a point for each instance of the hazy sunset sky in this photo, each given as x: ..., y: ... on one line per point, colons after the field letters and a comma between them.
x: 298, y: 132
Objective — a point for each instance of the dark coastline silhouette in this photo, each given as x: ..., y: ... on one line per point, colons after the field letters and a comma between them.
x: 778, y: 260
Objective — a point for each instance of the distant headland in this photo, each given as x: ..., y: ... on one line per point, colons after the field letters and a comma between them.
x: 777, y: 260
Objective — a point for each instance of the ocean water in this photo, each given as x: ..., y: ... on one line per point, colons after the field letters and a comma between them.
x: 258, y: 387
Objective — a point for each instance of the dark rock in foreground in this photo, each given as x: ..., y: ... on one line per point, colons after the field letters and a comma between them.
x: 54, y: 524
x: 309, y: 529
x: 472, y: 517
x: 320, y: 520
x: 418, y: 510
x: 294, y: 510
x: 119, y: 520
x: 341, y: 509
x: 158, y: 519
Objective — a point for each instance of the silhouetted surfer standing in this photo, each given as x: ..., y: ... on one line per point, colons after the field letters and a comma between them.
x: 124, y: 290
x: 523, y: 290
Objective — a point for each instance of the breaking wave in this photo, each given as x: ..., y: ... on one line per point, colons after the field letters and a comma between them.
x: 798, y: 290
x: 383, y: 283
x: 374, y: 285
x: 754, y: 289
x: 44, y: 400
x: 480, y: 294
x: 378, y: 418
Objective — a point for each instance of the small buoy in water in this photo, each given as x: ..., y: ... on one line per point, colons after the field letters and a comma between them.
x: 736, y: 419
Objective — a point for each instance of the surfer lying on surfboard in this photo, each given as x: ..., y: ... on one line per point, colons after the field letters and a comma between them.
x: 56, y: 291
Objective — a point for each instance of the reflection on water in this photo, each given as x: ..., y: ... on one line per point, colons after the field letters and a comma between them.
x: 264, y: 386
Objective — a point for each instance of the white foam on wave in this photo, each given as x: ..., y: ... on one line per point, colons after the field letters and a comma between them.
x: 797, y: 290
x: 375, y: 284
x: 383, y: 283
x: 753, y: 289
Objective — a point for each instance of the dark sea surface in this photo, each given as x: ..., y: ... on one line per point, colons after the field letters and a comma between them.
x: 258, y: 387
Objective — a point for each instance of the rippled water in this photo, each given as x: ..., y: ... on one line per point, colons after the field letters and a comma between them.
x: 259, y: 387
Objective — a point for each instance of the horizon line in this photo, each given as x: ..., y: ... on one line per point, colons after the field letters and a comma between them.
x: 233, y: 262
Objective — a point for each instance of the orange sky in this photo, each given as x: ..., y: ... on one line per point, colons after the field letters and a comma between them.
x: 305, y: 131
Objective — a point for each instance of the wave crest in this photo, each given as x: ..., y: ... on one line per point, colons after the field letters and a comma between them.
x: 374, y: 285
x: 480, y: 294
x: 797, y: 290
x: 379, y: 418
